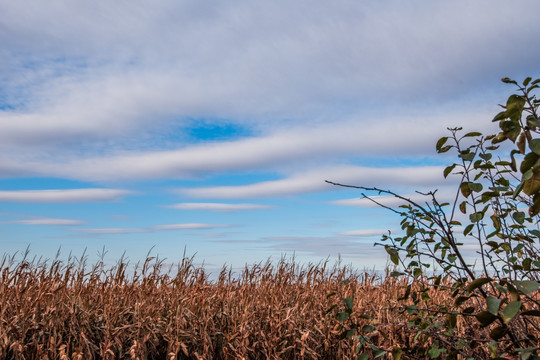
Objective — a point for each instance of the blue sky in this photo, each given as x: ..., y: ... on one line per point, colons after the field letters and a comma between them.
x: 211, y: 126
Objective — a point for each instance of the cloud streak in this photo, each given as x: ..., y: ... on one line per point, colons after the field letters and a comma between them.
x: 166, y: 227
x: 444, y: 194
x: 220, y: 207
x: 63, y: 196
x: 45, y: 221
x: 313, y: 181
x: 323, y: 246
x: 364, y: 232
x: 298, y: 146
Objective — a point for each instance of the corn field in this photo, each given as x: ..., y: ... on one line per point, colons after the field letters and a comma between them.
x: 65, y: 310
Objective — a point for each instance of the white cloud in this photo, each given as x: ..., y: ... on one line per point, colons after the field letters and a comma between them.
x: 187, y: 226
x: 119, y: 86
x: 364, y: 232
x: 62, y: 196
x: 45, y: 221
x: 386, y: 200
x: 218, y: 207
x: 313, y: 181
x: 192, y: 226
x: 323, y: 246
x: 136, y: 67
x: 110, y: 231
x: 281, y: 150
x: 444, y: 194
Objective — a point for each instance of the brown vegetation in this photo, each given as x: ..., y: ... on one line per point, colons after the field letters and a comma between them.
x: 60, y: 310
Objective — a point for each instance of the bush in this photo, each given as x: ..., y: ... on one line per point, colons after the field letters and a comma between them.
x: 496, y: 207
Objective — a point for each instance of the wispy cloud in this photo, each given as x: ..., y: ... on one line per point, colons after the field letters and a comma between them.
x: 115, y: 72
x: 313, y: 146
x: 63, y: 196
x: 444, y: 194
x: 45, y: 221
x: 313, y: 181
x: 364, y: 232
x: 322, y: 246
x: 111, y: 231
x: 220, y: 207
x: 187, y: 226
x: 192, y: 226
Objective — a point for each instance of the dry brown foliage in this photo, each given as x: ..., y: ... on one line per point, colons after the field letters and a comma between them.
x: 61, y: 310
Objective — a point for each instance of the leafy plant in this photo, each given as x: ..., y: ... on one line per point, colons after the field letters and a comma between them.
x: 495, y: 210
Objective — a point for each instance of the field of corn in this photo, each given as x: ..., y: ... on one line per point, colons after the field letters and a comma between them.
x: 65, y: 310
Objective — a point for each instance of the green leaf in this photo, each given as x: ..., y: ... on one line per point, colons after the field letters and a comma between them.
x: 394, y: 256
x: 486, y: 156
x: 498, y: 332
x: 507, y: 80
x: 528, y: 162
x: 435, y: 352
x: 472, y: 134
x: 475, y: 284
x: 511, y: 310
x: 500, y: 288
x: 532, y: 183
x: 527, y: 286
x: 496, y: 222
x: 493, y: 304
x: 519, y: 217
x: 476, y: 217
x: 465, y: 189
x: 518, y: 190
x: 407, y: 293
x: 485, y: 318
x: 379, y: 353
x: 363, y: 356
x: 534, y: 145
x: 368, y: 328
x: 444, y: 149
x: 343, y: 316
x: 460, y: 300
x: 500, y: 116
x: 515, y: 102
x: 441, y: 142
x: 468, y: 229
x: 348, y: 302
x: 448, y: 170
x: 476, y: 187
x: 514, y: 295
x: 451, y: 321
x: 533, y: 122
x: 463, y: 207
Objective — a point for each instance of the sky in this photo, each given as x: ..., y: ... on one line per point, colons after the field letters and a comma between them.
x: 208, y: 128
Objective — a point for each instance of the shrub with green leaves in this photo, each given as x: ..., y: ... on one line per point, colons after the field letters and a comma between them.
x: 493, y: 290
